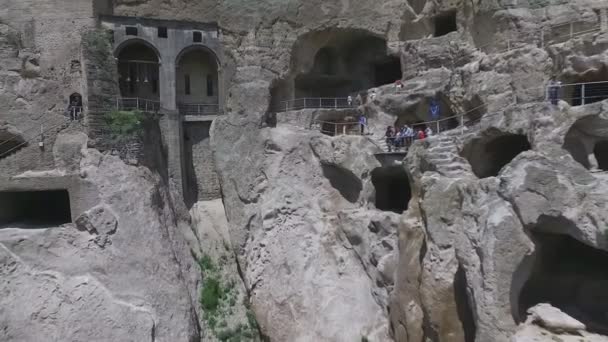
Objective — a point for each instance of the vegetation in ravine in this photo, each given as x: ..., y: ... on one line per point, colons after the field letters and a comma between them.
x: 218, y: 299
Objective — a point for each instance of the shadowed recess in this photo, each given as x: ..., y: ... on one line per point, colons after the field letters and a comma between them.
x: 570, y: 276
x: 344, y: 181
x: 393, y: 192
x: 27, y: 209
x: 488, y: 155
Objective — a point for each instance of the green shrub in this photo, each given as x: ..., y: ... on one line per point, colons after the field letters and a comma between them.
x: 211, y: 294
x: 206, y: 264
x: 125, y: 123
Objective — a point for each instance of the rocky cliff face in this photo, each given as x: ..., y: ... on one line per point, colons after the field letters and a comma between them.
x: 469, y: 238
x: 120, y: 272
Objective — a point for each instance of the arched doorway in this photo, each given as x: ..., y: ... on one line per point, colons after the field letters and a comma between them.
x: 196, y: 82
x: 138, y: 71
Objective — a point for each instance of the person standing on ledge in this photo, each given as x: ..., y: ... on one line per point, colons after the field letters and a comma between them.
x: 362, y: 123
x: 553, y: 91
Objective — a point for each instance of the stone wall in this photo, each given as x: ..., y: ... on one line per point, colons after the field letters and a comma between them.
x: 202, y: 182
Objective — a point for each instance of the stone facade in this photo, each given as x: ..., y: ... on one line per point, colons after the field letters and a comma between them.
x: 202, y: 182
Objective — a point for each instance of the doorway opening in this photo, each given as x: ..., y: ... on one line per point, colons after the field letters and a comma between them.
x: 35, y: 209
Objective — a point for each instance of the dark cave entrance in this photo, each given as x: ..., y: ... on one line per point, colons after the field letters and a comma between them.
x: 387, y: 71
x: 35, y: 209
x: 601, y: 154
x: 337, y: 62
x: 445, y: 23
x: 343, y: 180
x: 570, y: 276
x: 393, y: 191
x: 489, y: 155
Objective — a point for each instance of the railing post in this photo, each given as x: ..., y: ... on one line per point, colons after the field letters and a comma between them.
x: 305, y: 103
x: 462, y: 125
x: 343, y: 129
x: 335, y: 129
x: 336, y: 102
x: 437, y: 127
x: 571, y: 29
x: 117, y: 103
x: 146, y: 106
x: 320, y: 102
x: 583, y: 94
x: 137, y: 103
x: 287, y: 105
x: 542, y: 37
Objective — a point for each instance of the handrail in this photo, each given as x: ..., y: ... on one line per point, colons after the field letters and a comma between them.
x: 436, y: 124
x: 543, y: 42
x: 8, y: 152
x: 198, y: 108
x: 137, y: 103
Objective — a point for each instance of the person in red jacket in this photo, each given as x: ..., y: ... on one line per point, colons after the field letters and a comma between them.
x: 421, y: 134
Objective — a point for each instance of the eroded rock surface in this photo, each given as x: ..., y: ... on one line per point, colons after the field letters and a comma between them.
x: 121, y: 273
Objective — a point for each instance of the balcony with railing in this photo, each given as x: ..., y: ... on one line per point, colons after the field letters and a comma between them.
x: 199, y: 111
x: 315, y: 103
x: 136, y: 103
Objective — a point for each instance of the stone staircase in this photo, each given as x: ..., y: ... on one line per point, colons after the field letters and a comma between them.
x: 442, y: 156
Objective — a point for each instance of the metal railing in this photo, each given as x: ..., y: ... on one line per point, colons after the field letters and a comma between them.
x: 334, y: 128
x: 74, y: 112
x: 578, y: 94
x: 198, y: 109
x: 136, y: 103
x: 546, y: 36
x: 314, y: 103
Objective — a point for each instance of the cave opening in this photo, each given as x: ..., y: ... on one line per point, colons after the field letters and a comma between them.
x: 600, y: 151
x: 35, y: 209
x: 343, y: 180
x: 387, y: 71
x: 337, y: 62
x: 445, y: 23
x: 571, y: 276
x: 393, y: 191
x: 489, y: 155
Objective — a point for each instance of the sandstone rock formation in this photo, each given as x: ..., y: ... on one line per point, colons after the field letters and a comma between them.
x: 120, y: 273
x: 319, y: 238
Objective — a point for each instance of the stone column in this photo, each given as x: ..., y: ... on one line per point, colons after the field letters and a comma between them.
x: 171, y: 128
x: 167, y: 84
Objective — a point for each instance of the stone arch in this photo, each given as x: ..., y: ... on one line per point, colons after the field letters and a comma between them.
x: 133, y: 41
x: 493, y: 150
x: 195, y: 47
x: 75, y: 97
x: 138, y: 69
x: 197, y: 80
